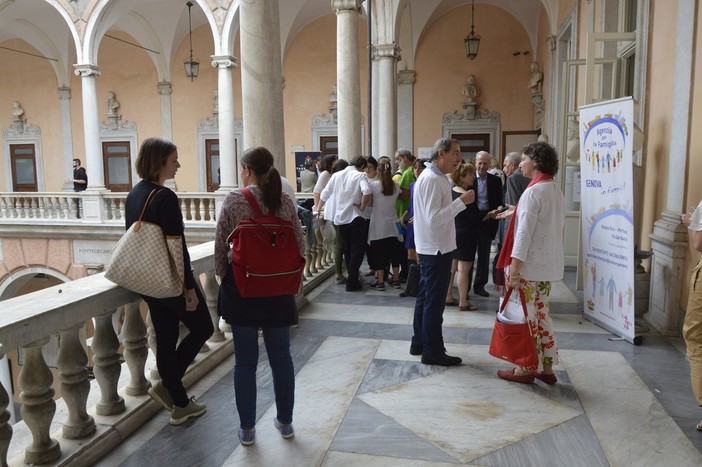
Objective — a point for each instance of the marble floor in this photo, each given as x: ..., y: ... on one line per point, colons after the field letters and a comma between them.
x: 361, y: 399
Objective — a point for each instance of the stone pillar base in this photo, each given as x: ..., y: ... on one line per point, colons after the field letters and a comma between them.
x: 669, y: 246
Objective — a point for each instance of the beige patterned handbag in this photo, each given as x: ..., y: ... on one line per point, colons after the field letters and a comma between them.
x: 147, y: 262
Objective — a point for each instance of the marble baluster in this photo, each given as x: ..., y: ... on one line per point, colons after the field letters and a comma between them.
x: 151, y: 339
x: 211, y: 289
x: 5, y: 426
x: 38, y: 406
x: 306, y: 271
x: 75, y: 387
x: 135, y: 351
x: 107, y: 366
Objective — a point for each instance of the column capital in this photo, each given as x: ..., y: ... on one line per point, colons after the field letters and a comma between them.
x: 164, y: 88
x: 86, y: 69
x: 339, y: 5
x: 224, y: 61
x: 386, y: 51
x: 406, y: 77
x: 64, y: 93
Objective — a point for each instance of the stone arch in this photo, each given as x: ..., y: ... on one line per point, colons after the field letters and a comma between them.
x: 17, y: 280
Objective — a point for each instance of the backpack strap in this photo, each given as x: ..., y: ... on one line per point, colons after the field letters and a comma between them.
x: 252, y: 201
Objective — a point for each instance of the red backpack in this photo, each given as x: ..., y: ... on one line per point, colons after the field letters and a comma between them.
x: 266, y: 260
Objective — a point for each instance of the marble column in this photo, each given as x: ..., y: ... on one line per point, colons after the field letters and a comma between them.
x: 262, y: 78
x: 387, y: 56
x: 64, y: 95
x: 228, y: 170
x: 165, y: 89
x: 405, y: 109
x: 93, y: 204
x: 669, y: 238
x: 375, y: 114
x: 348, y: 81
x: 91, y: 127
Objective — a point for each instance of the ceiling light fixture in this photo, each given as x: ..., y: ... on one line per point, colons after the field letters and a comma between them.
x: 472, y: 40
x: 192, y: 66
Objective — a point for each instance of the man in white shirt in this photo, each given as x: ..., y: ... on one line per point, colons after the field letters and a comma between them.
x: 435, y: 239
x: 351, y: 193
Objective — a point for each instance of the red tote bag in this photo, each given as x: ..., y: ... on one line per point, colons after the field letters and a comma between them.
x: 514, y: 342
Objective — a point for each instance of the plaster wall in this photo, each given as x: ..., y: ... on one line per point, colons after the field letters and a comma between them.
x: 442, y: 69
x: 564, y: 8
x: 32, y: 82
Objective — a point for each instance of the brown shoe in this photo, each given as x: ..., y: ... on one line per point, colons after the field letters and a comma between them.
x: 510, y: 376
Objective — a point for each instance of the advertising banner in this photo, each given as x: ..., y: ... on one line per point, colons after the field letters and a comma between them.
x: 607, y: 204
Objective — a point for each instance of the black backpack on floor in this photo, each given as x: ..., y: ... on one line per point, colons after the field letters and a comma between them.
x: 412, y: 286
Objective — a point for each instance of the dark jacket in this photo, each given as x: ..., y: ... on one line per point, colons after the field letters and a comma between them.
x: 164, y: 210
x: 494, y: 192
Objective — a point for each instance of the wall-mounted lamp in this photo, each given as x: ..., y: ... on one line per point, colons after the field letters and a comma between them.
x: 472, y: 40
x: 192, y: 66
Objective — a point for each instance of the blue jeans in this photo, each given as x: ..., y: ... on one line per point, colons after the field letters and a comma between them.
x: 435, y: 274
x: 277, y: 341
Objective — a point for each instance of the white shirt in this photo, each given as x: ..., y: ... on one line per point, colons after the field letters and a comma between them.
x: 383, y: 217
x: 538, y: 235
x: 321, y: 182
x: 287, y: 188
x: 434, y: 213
x: 346, y: 188
x: 696, y: 218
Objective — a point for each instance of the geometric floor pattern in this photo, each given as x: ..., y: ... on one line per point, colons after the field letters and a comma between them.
x: 361, y: 399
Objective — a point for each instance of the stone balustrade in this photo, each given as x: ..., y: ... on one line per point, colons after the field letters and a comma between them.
x: 96, y: 416
x: 61, y: 206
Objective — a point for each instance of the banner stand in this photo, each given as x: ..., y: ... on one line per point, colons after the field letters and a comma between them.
x: 607, y: 210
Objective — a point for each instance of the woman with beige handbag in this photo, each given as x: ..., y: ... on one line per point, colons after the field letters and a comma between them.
x: 150, y: 202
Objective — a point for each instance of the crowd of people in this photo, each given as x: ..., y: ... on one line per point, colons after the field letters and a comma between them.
x: 441, y: 213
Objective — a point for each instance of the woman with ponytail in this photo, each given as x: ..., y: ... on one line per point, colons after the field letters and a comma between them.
x: 274, y: 315
x: 383, y: 234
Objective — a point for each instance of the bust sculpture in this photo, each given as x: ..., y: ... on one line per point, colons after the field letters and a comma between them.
x: 112, y: 104
x: 470, y: 89
x: 17, y: 111
x: 536, y: 78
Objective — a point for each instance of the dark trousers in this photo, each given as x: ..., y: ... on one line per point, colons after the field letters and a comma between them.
x: 354, y: 236
x: 482, y: 266
x: 435, y: 274
x: 172, y: 359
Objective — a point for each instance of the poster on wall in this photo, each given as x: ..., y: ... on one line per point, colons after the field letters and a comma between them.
x: 607, y: 206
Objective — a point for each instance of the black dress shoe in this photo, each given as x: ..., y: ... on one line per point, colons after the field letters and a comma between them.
x: 441, y: 359
x: 351, y: 287
x: 481, y: 292
x: 415, y: 349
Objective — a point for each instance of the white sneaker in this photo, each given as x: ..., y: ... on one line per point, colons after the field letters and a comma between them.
x: 181, y: 415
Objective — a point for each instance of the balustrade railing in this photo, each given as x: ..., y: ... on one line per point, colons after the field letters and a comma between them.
x: 28, y: 321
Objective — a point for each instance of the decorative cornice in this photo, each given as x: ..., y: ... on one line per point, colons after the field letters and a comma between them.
x: 324, y: 120
x: 64, y: 93
x: 339, y: 5
x: 21, y: 129
x: 87, y: 69
x: 386, y: 51
x: 406, y: 77
x: 164, y: 88
x: 224, y: 61
x: 116, y: 124
x: 480, y: 117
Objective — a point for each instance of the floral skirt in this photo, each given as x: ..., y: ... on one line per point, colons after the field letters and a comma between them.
x: 538, y: 304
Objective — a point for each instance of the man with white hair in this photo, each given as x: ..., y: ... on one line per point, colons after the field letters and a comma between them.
x: 488, y: 190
